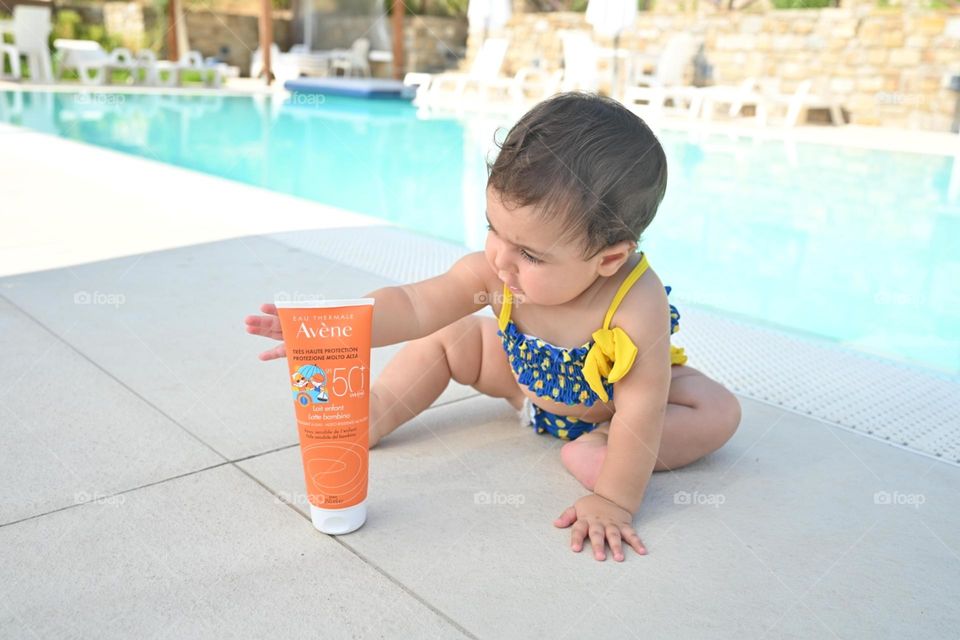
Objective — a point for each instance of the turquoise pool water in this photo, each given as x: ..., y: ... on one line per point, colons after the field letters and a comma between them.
x: 860, y: 247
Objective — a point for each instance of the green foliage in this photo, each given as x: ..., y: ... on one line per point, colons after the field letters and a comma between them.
x: 803, y: 4
x: 443, y: 8
x: 70, y: 25
x: 6, y: 37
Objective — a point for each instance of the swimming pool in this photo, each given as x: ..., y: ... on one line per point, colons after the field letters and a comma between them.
x: 861, y: 247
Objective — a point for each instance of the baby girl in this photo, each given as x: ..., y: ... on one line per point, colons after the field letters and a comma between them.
x: 580, y: 341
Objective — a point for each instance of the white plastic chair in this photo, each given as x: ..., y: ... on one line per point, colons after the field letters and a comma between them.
x: 256, y: 60
x: 146, y: 61
x: 210, y: 74
x: 484, y: 72
x: 31, y: 29
x: 667, y: 82
x: 806, y: 97
x: 91, y: 62
x: 579, y: 61
x: 419, y: 80
x: 354, y: 59
x: 286, y: 66
x: 750, y: 91
x: 9, y: 52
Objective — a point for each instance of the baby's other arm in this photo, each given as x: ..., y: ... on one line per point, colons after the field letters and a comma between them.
x: 415, y: 310
x: 640, y: 398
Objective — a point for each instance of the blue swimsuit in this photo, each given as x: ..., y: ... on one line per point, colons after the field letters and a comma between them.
x: 575, y: 376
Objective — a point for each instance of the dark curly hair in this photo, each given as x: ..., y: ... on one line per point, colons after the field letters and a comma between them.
x: 587, y: 161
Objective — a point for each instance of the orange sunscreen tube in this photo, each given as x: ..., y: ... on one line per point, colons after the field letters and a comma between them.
x: 328, y: 353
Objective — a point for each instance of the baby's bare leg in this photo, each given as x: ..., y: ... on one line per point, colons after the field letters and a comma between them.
x: 701, y: 416
x: 467, y: 351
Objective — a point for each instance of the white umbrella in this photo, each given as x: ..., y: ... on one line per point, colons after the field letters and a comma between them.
x: 609, y: 18
x: 487, y: 15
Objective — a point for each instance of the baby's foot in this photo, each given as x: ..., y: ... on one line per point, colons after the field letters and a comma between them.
x: 584, y: 456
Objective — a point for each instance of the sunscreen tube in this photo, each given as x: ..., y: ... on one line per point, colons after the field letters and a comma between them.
x: 328, y: 353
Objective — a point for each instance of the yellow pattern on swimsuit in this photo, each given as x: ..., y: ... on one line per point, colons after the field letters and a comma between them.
x: 575, y: 376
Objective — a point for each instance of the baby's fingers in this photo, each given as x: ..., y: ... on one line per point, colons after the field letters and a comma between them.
x: 568, y: 517
x: 597, y: 539
x: 272, y: 354
x: 633, y: 540
x: 613, y: 537
x: 577, y: 534
x: 268, y: 326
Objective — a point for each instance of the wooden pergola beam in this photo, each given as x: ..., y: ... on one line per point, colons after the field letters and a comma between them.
x: 173, y: 51
x: 397, y: 19
x: 266, y: 38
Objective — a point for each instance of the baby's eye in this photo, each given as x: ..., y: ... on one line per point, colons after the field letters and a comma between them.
x: 527, y: 256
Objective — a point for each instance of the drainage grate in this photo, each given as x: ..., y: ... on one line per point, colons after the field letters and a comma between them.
x: 389, y: 252
x: 897, y: 403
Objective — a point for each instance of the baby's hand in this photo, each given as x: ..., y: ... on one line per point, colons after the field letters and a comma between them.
x: 602, y: 520
x: 268, y: 326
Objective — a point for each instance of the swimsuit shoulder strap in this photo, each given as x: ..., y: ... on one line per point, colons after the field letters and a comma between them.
x: 624, y: 287
x: 505, y: 309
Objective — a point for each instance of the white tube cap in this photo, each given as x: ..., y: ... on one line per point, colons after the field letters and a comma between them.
x: 339, y: 521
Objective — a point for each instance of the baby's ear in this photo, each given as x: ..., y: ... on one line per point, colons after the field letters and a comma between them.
x: 613, y: 257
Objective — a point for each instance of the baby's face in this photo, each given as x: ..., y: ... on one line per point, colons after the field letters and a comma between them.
x: 525, y: 255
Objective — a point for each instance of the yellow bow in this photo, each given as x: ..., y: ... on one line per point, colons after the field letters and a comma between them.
x: 611, y: 356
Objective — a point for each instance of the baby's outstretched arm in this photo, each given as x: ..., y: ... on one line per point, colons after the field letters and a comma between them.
x: 394, y: 320
x: 405, y: 312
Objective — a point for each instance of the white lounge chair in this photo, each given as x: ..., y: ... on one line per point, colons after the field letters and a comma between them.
x: 484, y: 73
x: 751, y: 91
x: 145, y: 68
x: 91, y: 62
x: 9, y: 52
x: 31, y: 30
x: 210, y: 74
x: 527, y: 87
x: 579, y: 61
x: 805, y: 97
x: 355, y: 59
x: 668, y: 80
x: 288, y: 66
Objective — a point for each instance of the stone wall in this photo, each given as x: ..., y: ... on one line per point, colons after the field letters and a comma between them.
x: 210, y: 32
x: 434, y: 43
x: 427, y: 38
x: 887, y: 66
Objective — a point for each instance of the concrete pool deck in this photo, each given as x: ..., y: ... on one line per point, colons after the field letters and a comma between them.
x: 152, y: 486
